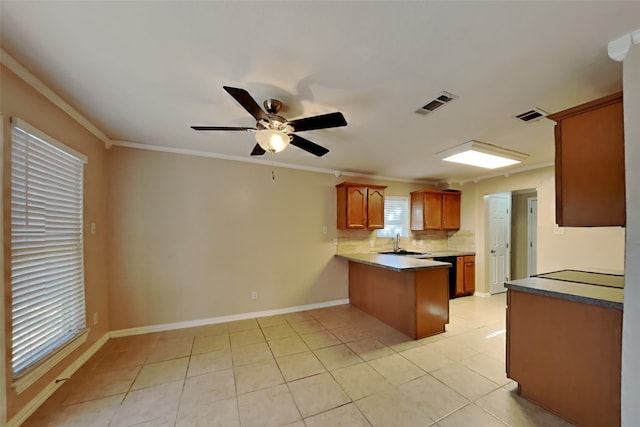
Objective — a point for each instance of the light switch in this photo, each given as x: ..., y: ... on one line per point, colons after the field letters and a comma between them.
x: 93, y: 228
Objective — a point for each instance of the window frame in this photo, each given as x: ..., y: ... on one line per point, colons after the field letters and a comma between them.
x: 389, y: 202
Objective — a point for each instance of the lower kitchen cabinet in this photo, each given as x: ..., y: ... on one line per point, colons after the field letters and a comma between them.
x: 566, y: 356
x: 465, y: 275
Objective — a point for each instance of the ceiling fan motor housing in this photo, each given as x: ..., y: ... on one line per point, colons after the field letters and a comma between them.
x: 272, y: 106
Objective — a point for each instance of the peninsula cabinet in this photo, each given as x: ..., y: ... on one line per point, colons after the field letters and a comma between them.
x: 360, y: 206
x: 435, y: 210
x: 590, y: 181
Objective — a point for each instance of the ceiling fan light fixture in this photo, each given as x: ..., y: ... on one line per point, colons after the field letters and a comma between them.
x: 272, y: 140
x: 476, y: 153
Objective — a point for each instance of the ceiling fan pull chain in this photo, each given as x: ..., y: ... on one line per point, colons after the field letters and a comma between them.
x: 273, y: 174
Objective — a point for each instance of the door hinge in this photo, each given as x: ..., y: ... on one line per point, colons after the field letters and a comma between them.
x: 507, y: 246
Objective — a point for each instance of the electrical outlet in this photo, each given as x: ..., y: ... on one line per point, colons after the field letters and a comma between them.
x: 335, y: 241
x: 95, y: 318
x: 93, y: 228
x: 324, y: 229
x: 254, y: 295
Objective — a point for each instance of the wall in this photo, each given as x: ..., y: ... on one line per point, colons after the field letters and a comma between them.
x: 579, y: 248
x: 20, y: 100
x: 192, y: 237
x: 631, y: 317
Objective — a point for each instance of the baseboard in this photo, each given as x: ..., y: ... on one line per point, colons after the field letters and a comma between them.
x: 222, y: 319
x: 482, y: 294
x: 41, y: 397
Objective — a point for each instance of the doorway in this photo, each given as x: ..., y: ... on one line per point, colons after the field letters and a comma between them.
x: 498, y: 207
x: 524, y: 242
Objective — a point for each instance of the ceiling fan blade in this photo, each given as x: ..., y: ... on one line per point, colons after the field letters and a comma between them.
x: 331, y: 120
x: 222, y: 128
x: 257, y: 150
x: 247, y: 102
x: 308, y: 146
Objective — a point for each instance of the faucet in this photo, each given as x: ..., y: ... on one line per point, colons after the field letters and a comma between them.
x: 396, y: 243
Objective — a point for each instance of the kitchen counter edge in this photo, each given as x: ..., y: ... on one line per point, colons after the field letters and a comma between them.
x: 578, y: 292
x: 394, y: 262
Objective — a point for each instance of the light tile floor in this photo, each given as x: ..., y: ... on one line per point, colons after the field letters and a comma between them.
x: 328, y: 367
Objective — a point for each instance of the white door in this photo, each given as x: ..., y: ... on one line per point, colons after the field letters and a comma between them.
x: 499, y: 239
x: 532, y: 236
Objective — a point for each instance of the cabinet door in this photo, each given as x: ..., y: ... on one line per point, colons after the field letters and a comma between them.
x: 432, y: 211
x: 451, y: 211
x: 357, y: 207
x: 469, y: 277
x: 375, y: 208
x: 590, y: 177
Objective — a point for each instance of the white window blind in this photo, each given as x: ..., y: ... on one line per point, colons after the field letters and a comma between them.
x: 396, y: 217
x: 47, y: 268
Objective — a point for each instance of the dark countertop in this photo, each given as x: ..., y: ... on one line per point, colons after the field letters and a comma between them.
x: 597, y: 294
x: 450, y: 253
x: 395, y: 262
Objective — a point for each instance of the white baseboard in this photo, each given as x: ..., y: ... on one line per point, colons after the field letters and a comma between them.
x: 482, y: 294
x: 41, y: 397
x: 222, y: 319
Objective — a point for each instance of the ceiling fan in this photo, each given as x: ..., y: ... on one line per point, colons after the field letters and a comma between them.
x: 274, y: 132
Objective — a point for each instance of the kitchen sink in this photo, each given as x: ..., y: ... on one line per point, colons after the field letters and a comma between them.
x: 404, y: 252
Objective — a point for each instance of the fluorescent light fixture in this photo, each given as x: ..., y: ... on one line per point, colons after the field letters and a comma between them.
x: 476, y: 153
x: 272, y: 140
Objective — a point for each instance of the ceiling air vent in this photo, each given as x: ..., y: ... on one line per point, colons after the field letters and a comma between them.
x: 431, y: 106
x: 532, y: 115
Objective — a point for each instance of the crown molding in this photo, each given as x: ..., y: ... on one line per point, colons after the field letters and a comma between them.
x: 12, y: 64
x: 506, y: 174
x: 200, y: 153
x: 619, y: 47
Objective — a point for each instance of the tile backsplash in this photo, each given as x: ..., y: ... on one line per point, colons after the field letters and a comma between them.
x: 365, y: 241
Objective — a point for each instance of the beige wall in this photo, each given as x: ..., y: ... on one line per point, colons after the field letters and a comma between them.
x: 599, y: 248
x: 192, y: 237
x: 20, y: 100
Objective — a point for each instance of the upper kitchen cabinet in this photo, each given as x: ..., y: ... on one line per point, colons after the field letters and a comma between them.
x: 435, y: 210
x: 590, y: 182
x: 360, y: 206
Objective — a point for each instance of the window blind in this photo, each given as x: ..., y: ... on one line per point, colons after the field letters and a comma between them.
x: 396, y: 217
x: 47, y: 266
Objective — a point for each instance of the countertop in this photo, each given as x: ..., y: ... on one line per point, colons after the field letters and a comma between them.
x: 450, y: 253
x: 395, y: 262
x: 597, y: 294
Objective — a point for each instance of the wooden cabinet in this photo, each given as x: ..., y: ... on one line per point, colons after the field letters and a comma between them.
x: 435, y: 210
x: 566, y: 356
x: 360, y: 206
x: 465, y: 275
x: 590, y: 180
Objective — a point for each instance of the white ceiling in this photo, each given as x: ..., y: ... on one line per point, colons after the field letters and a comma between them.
x: 145, y: 71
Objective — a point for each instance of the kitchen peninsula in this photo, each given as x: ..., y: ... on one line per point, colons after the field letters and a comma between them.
x: 408, y: 294
x: 564, y: 336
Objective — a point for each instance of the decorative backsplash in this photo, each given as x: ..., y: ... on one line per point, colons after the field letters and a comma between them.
x: 366, y: 241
